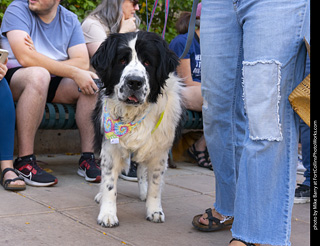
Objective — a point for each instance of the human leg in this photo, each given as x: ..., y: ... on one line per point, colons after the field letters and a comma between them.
x: 273, y: 65
x: 305, y: 142
x: 67, y: 92
x: 29, y: 88
x: 7, y: 114
x: 192, y: 98
x: 302, y: 193
x: 221, y: 53
x: 7, y: 125
x: 305, y: 139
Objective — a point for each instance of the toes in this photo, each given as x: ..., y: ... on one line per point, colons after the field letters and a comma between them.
x: 107, y: 224
x: 108, y: 220
x: 203, y: 221
x: 157, y: 217
x: 98, y: 198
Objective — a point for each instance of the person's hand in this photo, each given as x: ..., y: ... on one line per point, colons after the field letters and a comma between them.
x: 128, y: 25
x: 3, y: 69
x: 84, y: 80
x: 28, y: 41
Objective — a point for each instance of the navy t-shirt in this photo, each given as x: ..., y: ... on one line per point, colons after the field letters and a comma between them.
x: 177, y: 45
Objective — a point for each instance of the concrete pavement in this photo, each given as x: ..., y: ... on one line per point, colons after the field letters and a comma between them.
x: 66, y: 213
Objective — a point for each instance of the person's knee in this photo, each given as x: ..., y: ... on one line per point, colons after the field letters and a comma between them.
x: 32, y: 80
x: 39, y: 80
x: 192, y: 98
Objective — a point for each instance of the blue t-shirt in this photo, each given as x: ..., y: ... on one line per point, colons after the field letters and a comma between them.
x: 52, y: 40
x: 177, y: 45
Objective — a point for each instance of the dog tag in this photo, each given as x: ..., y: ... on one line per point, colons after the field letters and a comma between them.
x: 114, y: 140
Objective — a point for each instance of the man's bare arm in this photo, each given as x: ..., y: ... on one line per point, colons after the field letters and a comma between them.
x: 75, y: 67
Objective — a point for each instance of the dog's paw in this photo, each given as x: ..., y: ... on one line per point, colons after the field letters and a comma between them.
x: 143, y: 196
x: 97, y: 198
x: 157, y: 217
x: 108, y: 220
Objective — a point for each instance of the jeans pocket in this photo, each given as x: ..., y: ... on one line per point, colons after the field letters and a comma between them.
x: 261, y: 94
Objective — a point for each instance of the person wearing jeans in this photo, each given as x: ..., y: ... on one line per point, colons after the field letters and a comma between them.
x: 302, y: 193
x: 253, y: 56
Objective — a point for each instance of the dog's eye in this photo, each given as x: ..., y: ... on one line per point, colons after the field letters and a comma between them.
x: 146, y: 63
x: 123, y: 61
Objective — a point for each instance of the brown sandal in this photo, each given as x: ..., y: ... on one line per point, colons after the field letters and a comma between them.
x: 219, y: 225
x: 7, y: 184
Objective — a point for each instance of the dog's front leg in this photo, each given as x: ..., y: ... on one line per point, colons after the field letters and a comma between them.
x: 142, y: 181
x: 108, y: 192
x: 155, y: 178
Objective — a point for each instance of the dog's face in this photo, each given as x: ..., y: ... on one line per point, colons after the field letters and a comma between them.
x: 134, y: 66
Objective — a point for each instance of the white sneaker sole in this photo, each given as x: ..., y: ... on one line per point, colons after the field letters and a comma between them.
x: 301, y: 200
x: 132, y: 179
x: 83, y: 174
x: 37, y: 184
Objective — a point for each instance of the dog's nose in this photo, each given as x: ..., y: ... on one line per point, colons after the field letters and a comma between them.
x: 135, y: 83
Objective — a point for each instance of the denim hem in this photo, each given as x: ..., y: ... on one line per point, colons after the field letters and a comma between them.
x: 257, y: 241
x: 220, y: 211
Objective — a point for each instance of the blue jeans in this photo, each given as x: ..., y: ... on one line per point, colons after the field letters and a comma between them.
x: 305, y: 139
x: 253, y: 56
x: 305, y: 143
x: 7, y: 122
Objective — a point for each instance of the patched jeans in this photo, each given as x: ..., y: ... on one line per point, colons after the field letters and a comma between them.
x: 253, y: 56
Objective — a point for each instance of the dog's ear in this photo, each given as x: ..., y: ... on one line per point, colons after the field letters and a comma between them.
x: 103, y: 59
x: 172, y: 59
x: 169, y: 60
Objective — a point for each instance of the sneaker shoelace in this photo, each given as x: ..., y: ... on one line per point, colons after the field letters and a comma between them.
x: 34, y: 164
x: 92, y: 163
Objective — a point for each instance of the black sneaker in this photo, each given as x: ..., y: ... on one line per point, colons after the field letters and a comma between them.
x: 132, y: 174
x: 302, y: 194
x: 89, y: 168
x: 32, y: 173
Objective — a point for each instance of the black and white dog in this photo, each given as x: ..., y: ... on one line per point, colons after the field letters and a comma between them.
x: 137, y: 113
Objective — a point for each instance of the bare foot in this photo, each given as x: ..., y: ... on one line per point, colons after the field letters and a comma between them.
x: 238, y: 243
x: 203, y: 219
x: 12, y: 175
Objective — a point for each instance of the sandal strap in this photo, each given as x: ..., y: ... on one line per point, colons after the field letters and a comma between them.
x: 10, y: 180
x: 205, y: 158
x: 197, y: 152
x: 7, y: 170
x: 239, y: 240
x: 212, y: 219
